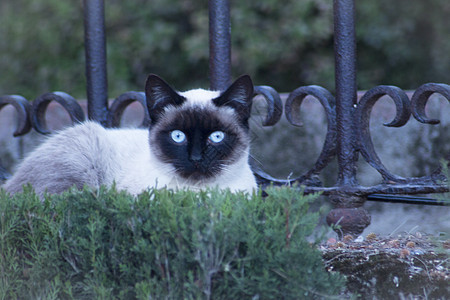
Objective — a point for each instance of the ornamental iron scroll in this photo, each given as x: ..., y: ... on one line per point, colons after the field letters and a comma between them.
x: 121, y: 103
x: 404, y: 108
x: 292, y: 108
x: 327, y: 100
x: 418, y: 102
x: 22, y: 107
x: 362, y: 114
x: 273, y: 102
x: 420, y: 99
x: 41, y: 103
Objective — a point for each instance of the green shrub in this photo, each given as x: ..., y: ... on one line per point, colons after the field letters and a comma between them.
x: 161, y: 245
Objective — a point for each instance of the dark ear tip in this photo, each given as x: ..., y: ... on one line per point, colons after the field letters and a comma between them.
x: 246, y: 82
x: 153, y: 77
x: 246, y: 79
x: 153, y: 81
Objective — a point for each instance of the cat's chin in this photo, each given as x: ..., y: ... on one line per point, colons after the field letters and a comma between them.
x: 198, y: 176
x: 194, y: 173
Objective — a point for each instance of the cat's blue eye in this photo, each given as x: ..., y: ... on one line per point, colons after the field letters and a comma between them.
x: 216, y: 136
x: 178, y: 136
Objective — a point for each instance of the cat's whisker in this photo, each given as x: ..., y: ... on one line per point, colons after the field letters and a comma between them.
x: 255, y: 159
x: 247, y: 153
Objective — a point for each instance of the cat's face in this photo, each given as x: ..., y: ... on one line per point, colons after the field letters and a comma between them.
x: 200, y: 133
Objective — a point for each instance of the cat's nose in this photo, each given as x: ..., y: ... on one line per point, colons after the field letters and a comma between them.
x: 195, y: 157
x: 195, y: 154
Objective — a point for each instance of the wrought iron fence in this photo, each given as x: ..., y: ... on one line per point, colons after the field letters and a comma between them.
x: 347, y: 138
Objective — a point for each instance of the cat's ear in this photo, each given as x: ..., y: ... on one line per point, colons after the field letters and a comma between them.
x: 159, y: 95
x: 238, y: 96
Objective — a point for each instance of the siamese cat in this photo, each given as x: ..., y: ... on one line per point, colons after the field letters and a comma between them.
x: 197, y: 139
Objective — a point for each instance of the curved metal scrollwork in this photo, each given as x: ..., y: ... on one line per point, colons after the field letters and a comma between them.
x: 420, y: 99
x: 274, y: 104
x: 403, y: 112
x: 328, y: 103
x: 41, y: 103
x: 23, y: 108
x: 274, y: 113
x: 418, y: 103
x: 121, y: 103
x: 363, y: 111
x: 364, y: 144
x: 292, y: 108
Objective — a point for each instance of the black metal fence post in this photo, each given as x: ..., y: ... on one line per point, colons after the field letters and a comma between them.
x: 345, y: 79
x: 347, y: 211
x: 95, y: 50
x: 219, y: 44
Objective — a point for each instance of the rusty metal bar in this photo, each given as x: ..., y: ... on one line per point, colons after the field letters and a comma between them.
x: 346, y: 97
x: 219, y: 44
x: 95, y: 51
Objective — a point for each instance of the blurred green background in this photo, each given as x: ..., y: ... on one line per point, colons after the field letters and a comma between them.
x: 284, y: 44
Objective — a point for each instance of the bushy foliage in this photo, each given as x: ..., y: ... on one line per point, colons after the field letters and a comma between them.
x: 283, y: 44
x: 161, y: 245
